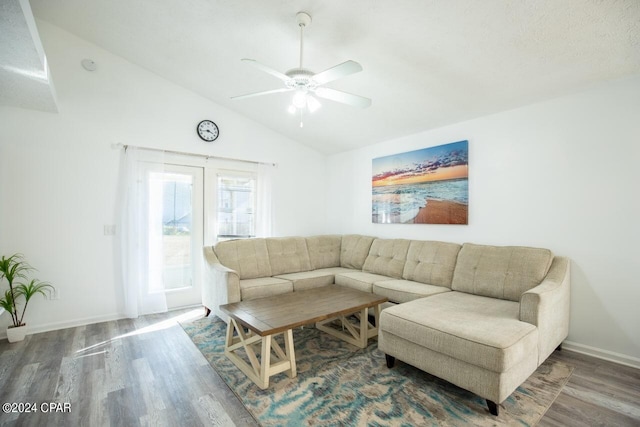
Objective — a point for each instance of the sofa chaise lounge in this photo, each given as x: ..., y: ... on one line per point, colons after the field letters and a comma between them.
x: 481, y: 317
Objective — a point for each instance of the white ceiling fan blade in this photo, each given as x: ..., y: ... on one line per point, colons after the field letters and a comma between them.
x: 266, y: 69
x: 339, y: 71
x: 266, y: 92
x: 343, y: 97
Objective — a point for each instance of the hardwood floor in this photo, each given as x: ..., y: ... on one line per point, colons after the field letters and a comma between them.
x: 122, y: 373
x: 147, y: 372
x: 599, y: 393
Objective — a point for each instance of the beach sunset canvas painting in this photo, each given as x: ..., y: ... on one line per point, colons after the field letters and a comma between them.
x: 428, y: 186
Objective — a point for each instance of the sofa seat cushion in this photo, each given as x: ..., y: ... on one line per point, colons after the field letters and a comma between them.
x: 482, y: 331
x: 308, y: 279
x: 337, y: 270
x: 359, y: 280
x: 264, y: 287
x: 405, y: 290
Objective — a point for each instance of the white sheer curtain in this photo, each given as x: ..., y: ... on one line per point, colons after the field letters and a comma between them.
x: 141, y: 231
x: 264, y: 218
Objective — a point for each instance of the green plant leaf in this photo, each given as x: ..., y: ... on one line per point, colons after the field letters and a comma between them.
x: 14, y: 269
x: 8, y: 303
x: 28, y: 290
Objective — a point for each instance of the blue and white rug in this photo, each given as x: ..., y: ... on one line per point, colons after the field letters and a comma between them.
x: 339, y: 384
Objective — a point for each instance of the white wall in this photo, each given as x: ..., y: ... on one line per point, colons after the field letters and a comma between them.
x: 59, y: 173
x: 563, y: 175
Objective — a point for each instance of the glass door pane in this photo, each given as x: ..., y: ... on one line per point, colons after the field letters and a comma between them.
x: 175, y: 234
x: 177, y: 226
x: 236, y: 206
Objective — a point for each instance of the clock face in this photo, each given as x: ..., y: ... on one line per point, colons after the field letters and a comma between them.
x: 208, y: 131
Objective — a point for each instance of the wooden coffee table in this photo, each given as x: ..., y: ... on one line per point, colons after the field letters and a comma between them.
x: 255, y: 323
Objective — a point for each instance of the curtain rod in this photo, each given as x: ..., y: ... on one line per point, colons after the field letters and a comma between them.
x: 184, y: 153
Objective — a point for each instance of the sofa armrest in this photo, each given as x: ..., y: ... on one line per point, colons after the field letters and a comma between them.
x: 221, y: 285
x: 547, y: 306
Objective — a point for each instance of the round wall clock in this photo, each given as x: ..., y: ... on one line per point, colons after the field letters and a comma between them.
x: 208, y: 131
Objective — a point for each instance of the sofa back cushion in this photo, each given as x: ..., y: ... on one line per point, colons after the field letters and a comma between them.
x: 249, y: 257
x: 387, y: 257
x: 354, y: 250
x: 288, y: 255
x: 504, y: 272
x: 324, y: 251
x: 431, y: 262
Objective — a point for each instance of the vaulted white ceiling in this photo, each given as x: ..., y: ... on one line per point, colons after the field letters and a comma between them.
x: 24, y: 74
x: 426, y: 63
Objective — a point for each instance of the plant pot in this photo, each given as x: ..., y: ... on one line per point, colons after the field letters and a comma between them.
x: 16, y: 333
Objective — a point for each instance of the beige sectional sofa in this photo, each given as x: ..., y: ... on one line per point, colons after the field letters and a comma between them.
x: 481, y: 317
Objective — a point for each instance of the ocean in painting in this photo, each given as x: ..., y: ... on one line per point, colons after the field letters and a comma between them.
x: 400, y: 203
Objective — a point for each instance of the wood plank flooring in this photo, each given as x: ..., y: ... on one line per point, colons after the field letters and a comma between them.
x: 147, y: 372
x: 142, y: 372
x: 599, y: 393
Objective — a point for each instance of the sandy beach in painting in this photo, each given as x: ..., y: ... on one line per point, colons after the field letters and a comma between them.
x: 442, y: 212
x: 440, y: 202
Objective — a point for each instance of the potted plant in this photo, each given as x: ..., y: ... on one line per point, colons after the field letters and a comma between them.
x: 14, y: 270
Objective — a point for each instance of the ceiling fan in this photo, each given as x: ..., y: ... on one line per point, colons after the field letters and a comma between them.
x: 306, y: 83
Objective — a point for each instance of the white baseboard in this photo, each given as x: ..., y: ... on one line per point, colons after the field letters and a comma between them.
x: 599, y: 353
x: 82, y: 322
x: 68, y: 324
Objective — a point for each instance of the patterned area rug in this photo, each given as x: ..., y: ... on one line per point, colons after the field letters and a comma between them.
x: 340, y: 384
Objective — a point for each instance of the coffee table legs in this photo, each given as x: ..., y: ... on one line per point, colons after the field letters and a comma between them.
x: 268, y: 364
x: 357, y: 335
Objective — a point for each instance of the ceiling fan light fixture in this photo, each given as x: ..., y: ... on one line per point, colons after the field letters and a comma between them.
x: 300, y: 99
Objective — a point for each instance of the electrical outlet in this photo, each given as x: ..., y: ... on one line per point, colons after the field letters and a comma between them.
x: 109, y: 230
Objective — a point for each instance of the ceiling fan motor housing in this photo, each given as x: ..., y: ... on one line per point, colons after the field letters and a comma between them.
x: 301, y: 79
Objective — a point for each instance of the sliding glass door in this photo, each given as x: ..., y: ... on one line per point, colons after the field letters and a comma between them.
x: 167, y: 218
x: 176, y: 234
